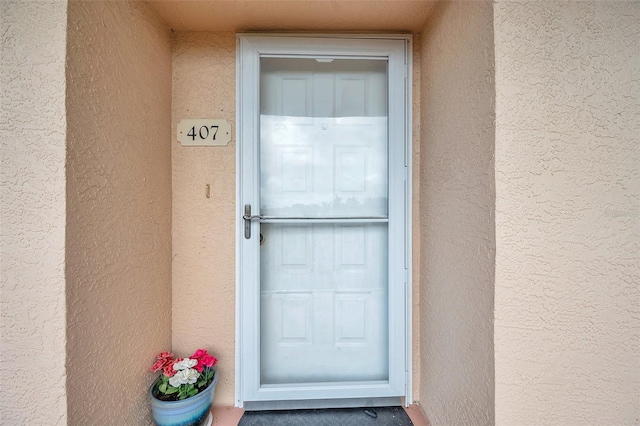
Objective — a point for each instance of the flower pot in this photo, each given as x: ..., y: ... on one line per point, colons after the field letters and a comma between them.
x: 192, y: 411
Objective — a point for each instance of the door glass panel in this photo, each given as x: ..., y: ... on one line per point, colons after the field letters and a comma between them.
x: 323, y: 303
x: 323, y: 138
x: 324, y: 285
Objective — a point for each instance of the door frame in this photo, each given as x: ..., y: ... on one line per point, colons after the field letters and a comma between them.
x: 250, y: 47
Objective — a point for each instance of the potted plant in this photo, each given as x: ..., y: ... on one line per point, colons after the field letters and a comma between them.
x: 182, y: 394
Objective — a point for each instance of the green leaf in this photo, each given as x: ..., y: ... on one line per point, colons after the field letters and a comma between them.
x: 171, y: 389
x: 163, y: 387
x: 193, y: 392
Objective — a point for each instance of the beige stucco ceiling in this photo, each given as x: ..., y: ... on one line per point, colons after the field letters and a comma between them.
x: 294, y: 15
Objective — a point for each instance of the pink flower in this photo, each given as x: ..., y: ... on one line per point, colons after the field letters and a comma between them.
x: 198, y: 353
x: 204, y: 360
x: 168, y: 370
x: 164, y: 359
x: 208, y: 360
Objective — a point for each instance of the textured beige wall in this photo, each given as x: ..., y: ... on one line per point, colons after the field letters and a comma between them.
x: 204, y: 86
x: 204, y: 229
x: 32, y: 212
x: 294, y: 15
x: 415, y: 214
x: 457, y: 213
x: 119, y: 209
x: 567, y: 296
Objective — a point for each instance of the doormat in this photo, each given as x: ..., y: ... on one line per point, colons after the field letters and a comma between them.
x: 387, y: 416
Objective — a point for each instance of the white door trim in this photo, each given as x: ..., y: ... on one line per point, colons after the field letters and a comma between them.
x: 397, y: 49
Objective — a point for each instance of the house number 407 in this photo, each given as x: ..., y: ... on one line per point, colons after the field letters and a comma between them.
x: 204, y: 132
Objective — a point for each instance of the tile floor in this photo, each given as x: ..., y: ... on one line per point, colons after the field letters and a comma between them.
x: 230, y: 416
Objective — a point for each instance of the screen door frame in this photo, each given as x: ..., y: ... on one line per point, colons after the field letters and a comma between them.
x: 396, y: 49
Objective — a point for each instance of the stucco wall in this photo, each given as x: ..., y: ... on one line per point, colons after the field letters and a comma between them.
x: 416, y: 259
x: 567, y: 296
x: 204, y: 86
x: 457, y: 213
x: 119, y: 209
x: 32, y: 212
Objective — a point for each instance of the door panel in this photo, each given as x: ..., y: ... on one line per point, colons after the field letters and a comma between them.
x: 323, y: 303
x: 333, y: 164
x: 323, y: 286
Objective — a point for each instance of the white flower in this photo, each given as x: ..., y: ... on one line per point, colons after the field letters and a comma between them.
x: 183, y: 377
x: 184, y: 364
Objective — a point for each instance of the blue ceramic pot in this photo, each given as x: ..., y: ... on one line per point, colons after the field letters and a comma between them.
x: 192, y: 411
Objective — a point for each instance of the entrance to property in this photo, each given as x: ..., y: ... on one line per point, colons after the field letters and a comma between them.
x: 323, y: 231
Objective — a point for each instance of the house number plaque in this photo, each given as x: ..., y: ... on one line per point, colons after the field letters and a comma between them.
x: 204, y: 132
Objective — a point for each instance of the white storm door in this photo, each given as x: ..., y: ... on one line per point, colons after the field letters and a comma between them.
x: 323, y: 261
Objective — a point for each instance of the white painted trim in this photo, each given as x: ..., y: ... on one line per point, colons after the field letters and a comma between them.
x: 409, y: 223
x: 390, y: 36
x: 247, y: 369
x: 238, y: 316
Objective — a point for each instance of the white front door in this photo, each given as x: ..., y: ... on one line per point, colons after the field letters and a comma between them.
x: 323, y: 190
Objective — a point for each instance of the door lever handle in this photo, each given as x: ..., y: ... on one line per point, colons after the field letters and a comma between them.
x: 247, y: 220
x: 248, y: 217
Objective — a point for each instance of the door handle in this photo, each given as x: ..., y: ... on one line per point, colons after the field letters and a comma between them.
x: 247, y: 220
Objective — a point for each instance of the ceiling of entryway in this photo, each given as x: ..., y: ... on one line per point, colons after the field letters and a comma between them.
x: 294, y: 15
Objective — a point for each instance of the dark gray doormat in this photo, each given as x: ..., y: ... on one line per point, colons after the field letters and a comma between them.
x: 384, y: 416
